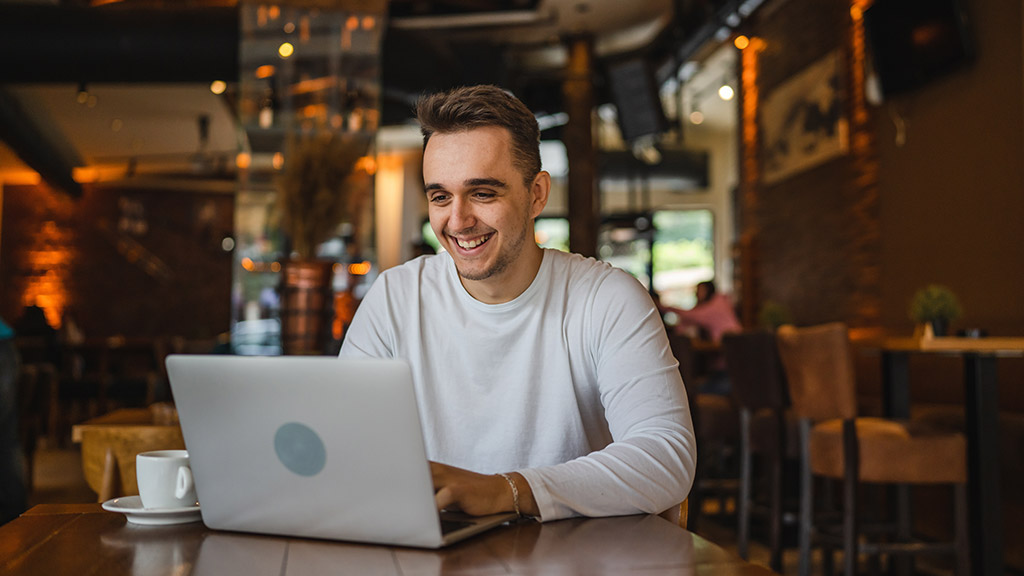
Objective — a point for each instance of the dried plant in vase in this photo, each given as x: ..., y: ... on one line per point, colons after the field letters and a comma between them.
x: 318, y: 189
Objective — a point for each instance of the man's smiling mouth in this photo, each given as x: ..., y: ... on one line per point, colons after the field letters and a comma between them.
x: 470, y: 244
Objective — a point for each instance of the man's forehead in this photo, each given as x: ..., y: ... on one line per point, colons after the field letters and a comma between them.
x: 468, y: 157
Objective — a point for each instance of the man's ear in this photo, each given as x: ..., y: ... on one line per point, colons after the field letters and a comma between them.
x: 539, y: 191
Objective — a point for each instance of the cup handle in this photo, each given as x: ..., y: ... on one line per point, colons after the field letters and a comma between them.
x: 184, y: 484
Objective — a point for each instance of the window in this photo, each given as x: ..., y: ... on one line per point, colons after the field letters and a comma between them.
x: 683, y: 254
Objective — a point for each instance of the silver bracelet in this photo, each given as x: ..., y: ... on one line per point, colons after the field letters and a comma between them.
x: 515, y: 492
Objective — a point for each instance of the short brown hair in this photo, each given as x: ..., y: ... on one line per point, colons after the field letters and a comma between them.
x: 471, y: 107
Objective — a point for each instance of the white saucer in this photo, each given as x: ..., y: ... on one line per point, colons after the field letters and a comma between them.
x: 131, y: 507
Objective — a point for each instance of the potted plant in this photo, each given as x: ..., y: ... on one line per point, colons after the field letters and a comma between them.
x: 936, y: 305
x: 318, y: 191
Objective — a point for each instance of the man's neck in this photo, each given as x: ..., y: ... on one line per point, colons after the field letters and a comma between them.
x: 508, y: 285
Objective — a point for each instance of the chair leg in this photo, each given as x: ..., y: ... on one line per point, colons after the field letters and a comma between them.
x: 850, y: 476
x: 961, y: 537
x: 743, y: 506
x: 904, y: 529
x: 775, y: 496
x: 111, y: 476
x: 806, y: 498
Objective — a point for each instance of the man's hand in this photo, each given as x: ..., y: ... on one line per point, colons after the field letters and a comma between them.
x: 479, y: 494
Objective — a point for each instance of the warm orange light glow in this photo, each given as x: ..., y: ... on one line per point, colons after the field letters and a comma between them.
x: 369, y: 22
x: 285, y: 50
x: 247, y: 264
x: 314, y: 111
x: 278, y: 161
x: 359, y: 268
x: 864, y: 159
x: 275, y: 12
x: 22, y: 177
x: 47, y: 263
x: 218, y: 86
x: 243, y: 160
x: 313, y: 85
x: 275, y: 266
x: 100, y: 173
x: 750, y: 142
x: 352, y: 22
x: 367, y: 164
x: 741, y: 42
x: 265, y: 71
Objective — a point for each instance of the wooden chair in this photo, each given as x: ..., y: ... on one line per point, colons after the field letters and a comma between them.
x: 35, y: 383
x: 759, y: 390
x: 108, y: 455
x: 837, y: 444
x: 678, y: 514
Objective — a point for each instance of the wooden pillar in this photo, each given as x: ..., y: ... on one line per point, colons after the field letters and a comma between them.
x: 578, y: 92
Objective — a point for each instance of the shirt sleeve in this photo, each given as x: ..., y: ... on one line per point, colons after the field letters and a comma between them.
x: 649, y: 466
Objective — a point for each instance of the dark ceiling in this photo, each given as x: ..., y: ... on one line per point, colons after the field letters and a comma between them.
x: 197, y: 41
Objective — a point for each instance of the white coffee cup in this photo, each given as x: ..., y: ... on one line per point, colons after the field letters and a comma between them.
x: 165, y: 479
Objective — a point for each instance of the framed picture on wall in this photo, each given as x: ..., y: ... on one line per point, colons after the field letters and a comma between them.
x: 803, y: 122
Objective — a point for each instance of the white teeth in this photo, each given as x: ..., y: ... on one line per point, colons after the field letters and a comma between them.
x: 470, y: 244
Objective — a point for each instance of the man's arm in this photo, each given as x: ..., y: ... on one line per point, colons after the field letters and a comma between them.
x: 481, y: 494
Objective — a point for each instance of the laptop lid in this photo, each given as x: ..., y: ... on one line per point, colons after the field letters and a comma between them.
x: 318, y: 447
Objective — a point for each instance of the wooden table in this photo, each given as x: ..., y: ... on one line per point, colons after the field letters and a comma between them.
x: 110, y: 443
x: 981, y: 395
x: 84, y: 539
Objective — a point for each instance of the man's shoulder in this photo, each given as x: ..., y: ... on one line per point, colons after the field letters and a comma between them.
x: 588, y: 273
x: 576, y: 264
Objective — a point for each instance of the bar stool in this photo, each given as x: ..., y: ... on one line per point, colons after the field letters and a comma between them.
x: 759, y: 390
x: 716, y: 426
x: 836, y: 444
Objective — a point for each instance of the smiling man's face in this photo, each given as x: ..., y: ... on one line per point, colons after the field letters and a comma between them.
x: 482, y: 212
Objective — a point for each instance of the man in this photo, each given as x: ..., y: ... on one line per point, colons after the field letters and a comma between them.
x: 545, y: 381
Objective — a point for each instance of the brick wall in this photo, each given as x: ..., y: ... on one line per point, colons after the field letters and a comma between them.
x: 130, y: 262
x: 817, y: 238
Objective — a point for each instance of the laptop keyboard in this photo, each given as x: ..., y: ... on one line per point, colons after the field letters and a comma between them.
x: 448, y: 526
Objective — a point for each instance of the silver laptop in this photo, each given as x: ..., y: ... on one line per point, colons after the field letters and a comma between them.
x: 317, y: 447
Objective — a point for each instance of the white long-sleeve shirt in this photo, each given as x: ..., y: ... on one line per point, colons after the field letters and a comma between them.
x: 572, y: 384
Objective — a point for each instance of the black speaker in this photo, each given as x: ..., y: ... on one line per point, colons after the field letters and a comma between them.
x: 635, y: 93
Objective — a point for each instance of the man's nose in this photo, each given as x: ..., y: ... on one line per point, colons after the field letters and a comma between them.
x: 461, y: 217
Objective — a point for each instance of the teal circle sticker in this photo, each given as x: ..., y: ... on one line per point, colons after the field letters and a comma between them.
x: 300, y: 449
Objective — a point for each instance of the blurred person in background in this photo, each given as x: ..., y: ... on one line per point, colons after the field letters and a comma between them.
x: 712, y: 316
x: 12, y: 461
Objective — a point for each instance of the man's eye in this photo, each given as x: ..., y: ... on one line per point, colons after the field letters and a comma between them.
x: 438, y: 198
